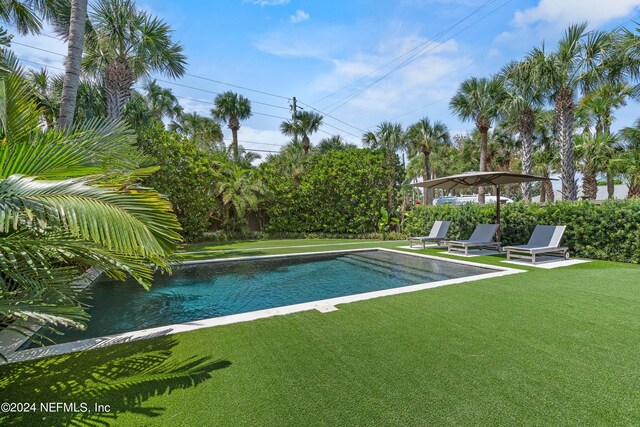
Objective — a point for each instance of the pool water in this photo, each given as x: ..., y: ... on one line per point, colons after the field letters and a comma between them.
x: 201, y: 291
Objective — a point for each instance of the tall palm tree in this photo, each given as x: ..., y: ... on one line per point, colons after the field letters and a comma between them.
x: 162, y: 102
x: 21, y: 14
x: 232, y: 108
x: 70, y: 200
x: 546, y: 157
x: 305, y: 123
x: 125, y: 45
x: 204, y: 131
x: 388, y: 137
x: 575, y: 66
x: 598, y: 107
x: 422, y: 138
x: 75, y: 47
x: 521, y: 99
x: 332, y: 143
x: 479, y: 100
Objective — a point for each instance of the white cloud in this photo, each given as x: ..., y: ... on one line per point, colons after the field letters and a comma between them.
x: 299, y: 16
x: 431, y: 76
x: 563, y: 12
x: 45, y: 56
x: 267, y: 2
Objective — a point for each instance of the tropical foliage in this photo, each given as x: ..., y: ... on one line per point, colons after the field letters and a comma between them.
x: 71, y: 199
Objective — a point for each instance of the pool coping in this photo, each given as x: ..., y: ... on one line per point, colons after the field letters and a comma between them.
x: 323, y: 306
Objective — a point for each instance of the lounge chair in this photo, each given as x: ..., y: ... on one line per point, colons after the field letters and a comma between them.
x: 545, y: 239
x: 437, y: 234
x: 482, y: 237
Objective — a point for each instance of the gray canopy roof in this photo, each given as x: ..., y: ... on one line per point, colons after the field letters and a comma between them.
x: 478, y: 179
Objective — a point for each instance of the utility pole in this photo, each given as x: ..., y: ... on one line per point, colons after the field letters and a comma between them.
x: 294, y: 116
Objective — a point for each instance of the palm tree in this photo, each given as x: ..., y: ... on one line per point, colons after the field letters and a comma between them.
x: 161, y: 101
x: 204, y: 131
x: 628, y: 161
x: 388, y: 137
x: 239, y: 191
x: 305, y: 123
x: 546, y: 158
x: 479, y: 100
x: 75, y: 48
x: 231, y: 108
x: 332, y: 143
x: 576, y: 65
x: 70, y: 200
x: 422, y: 138
x: 21, y: 14
x: 521, y: 99
x: 598, y: 106
x: 596, y: 152
x: 126, y: 44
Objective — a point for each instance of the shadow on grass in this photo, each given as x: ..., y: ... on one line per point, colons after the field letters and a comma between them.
x: 121, y: 376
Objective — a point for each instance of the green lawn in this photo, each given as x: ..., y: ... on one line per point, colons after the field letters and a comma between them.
x: 546, y: 347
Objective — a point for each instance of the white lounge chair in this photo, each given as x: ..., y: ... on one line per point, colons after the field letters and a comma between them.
x: 437, y: 234
x: 482, y: 237
x: 545, y: 239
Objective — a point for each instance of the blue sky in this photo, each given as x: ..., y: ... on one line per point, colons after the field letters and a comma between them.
x: 311, y: 48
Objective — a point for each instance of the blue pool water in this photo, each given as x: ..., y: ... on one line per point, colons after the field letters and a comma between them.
x: 201, y: 291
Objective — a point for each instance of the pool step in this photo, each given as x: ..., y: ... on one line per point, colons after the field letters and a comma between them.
x: 385, y: 269
x: 415, y: 270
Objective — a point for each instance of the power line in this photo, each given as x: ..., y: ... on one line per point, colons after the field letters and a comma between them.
x: 202, y: 78
x: 330, y: 116
x: 207, y: 91
x: 412, y: 58
x: 160, y: 80
x: 430, y: 41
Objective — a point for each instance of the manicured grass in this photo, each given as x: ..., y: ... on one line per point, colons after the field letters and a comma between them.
x: 546, y: 347
x: 285, y: 246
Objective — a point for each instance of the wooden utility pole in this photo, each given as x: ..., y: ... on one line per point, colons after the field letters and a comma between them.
x: 294, y: 117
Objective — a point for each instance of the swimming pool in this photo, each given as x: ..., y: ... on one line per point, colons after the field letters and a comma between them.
x: 216, y: 289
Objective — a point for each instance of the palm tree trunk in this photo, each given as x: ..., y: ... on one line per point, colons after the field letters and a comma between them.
x: 610, y: 185
x: 305, y: 144
x: 589, y: 184
x: 234, y: 135
x: 564, y: 128
x: 118, y: 81
x: 483, y: 160
x: 428, y: 192
x: 527, y: 127
x: 543, y: 192
x: 72, y: 64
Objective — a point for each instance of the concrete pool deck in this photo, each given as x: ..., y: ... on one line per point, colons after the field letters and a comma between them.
x: 9, y: 347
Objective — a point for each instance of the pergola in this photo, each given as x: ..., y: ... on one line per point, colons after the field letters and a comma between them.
x: 481, y: 179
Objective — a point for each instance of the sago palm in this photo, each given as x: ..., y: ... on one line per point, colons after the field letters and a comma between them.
x: 232, y: 108
x: 68, y: 200
x: 422, y: 139
x: 126, y: 44
x: 479, y: 100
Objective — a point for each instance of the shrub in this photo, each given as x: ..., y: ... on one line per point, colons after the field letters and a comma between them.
x: 608, y: 231
x: 187, y: 177
x: 339, y: 192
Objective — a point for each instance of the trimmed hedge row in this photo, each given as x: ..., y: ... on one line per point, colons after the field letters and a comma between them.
x: 608, y: 231
x: 224, y: 236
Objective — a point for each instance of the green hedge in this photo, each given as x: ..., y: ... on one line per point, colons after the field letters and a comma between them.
x: 224, y: 236
x: 338, y: 192
x: 608, y: 231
